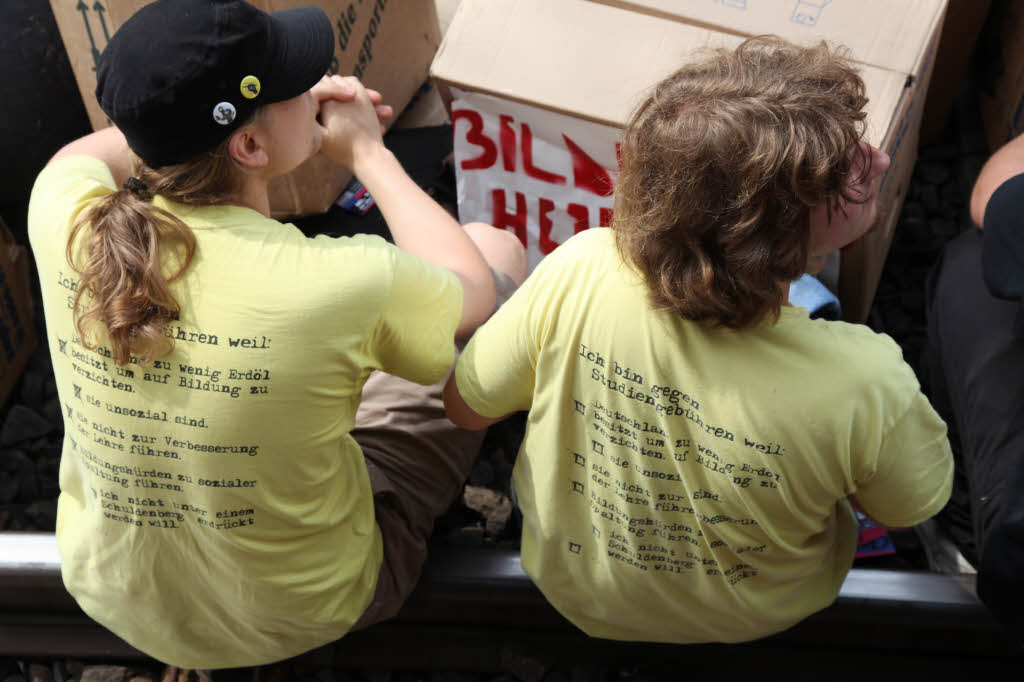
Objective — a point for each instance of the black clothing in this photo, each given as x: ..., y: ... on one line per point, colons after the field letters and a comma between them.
x: 1003, y: 251
x: 975, y: 364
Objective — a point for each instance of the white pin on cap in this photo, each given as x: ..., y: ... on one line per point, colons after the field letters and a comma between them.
x: 224, y: 113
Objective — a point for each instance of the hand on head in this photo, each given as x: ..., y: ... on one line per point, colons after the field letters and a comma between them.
x: 350, y: 116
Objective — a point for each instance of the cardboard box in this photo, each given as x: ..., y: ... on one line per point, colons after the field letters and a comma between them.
x: 426, y: 108
x: 1001, y: 77
x: 885, y: 33
x: 388, y: 44
x: 547, y: 86
x: 960, y: 30
x: 17, y: 324
x: 888, y: 34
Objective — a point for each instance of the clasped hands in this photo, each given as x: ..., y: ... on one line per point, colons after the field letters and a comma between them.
x: 350, y: 115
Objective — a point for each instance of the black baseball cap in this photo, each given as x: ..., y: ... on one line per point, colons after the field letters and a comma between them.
x: 181, y: 75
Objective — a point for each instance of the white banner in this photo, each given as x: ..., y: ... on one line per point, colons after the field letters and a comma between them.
x: 543, y: 175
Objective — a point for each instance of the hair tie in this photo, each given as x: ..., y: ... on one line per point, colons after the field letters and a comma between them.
x: 138, y: 188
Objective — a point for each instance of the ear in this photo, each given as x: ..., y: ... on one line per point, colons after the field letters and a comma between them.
x: 245, y: 148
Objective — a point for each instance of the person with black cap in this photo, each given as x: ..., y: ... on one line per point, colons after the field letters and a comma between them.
x: 230, y: 494
x: 975, y: 372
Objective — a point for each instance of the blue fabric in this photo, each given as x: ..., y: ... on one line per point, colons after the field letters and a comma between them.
x: 808, y: 292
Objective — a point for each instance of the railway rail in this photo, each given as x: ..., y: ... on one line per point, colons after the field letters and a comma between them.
x: 475, y: 609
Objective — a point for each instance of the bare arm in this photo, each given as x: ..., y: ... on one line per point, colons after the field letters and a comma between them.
x: 107, y: 145
x: 419, y: 225
x: 461, y: 414
x: 1007, y: 161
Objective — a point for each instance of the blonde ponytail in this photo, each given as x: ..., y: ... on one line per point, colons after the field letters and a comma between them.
x: 122, y: 244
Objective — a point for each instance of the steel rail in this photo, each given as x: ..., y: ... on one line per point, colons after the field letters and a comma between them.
x: 480, y: 599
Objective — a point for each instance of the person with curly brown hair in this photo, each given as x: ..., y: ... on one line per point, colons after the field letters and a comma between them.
x: 695, y: 443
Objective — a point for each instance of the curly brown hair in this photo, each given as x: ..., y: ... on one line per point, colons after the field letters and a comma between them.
x: 127, y: 251
x: 721, y: 166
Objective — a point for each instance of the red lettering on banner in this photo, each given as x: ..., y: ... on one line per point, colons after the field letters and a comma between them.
x: 581, y: 215
x: 508, y: 143
x: 537, y: 173
x: 475, y: 135
x: 546, y: 243
x: 586, y: 173
x: 487, y: 144
x: 501, y: 218
x: 581, y: 221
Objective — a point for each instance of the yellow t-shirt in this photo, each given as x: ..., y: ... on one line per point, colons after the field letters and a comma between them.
x: 685, y: 484
x: 214, y: 510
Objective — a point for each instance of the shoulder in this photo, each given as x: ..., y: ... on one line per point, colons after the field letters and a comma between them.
x: 370, y: 250
x: 584, y: 260
x: 368, y: 263
x: 861, y: 382
x: 71, y: 178
x: 859, y: 336
x: 384, y: 259
x: 856, y: 344
x: 85, y: 172
x: 597, y: 241
x: 577, y: 280
x: 360, y: 246
x: 1006, y: 201
x: 62, y: 190
x: 1002, y: 255
x: 276, y: 262
x: 859, y: 358
x: 343, y: 263
x: 582, y: 255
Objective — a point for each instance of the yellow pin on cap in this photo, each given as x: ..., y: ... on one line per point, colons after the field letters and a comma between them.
x: 250, y: 87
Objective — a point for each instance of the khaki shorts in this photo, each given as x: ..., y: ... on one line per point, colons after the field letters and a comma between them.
x: 418, y: 462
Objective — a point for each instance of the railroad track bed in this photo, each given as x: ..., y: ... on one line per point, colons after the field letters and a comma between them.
x: 476, y: 611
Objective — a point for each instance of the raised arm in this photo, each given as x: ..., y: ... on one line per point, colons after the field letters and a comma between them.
x: 419, y: 225
x: 1006, y: 162
x: 107, y: 145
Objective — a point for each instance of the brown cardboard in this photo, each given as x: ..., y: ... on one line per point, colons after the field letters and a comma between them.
x: 889, y: 34
x: 521, y: 50
x: 499, y: 47
x: 960, y: 31
x: 445, y: 11
x: 388, y: 44
x: 862, y: 262
x: 17, y: 325
x: 1001, y: 82
x: 427, y: 107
